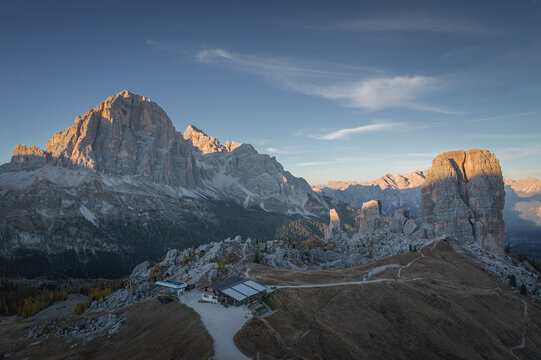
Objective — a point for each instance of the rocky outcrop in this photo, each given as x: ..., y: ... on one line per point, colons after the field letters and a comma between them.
x: 28, y: 157
x: 370, y: 219
x: 397, y: 220
x: 334, y: 225
x: 463, y: 196
x: 207, y: 144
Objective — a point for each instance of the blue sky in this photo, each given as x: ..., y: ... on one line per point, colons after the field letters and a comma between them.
x: 335, y: 90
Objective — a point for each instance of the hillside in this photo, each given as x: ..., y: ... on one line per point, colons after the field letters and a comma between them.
x: 436, y: 305
x: 145, y: 330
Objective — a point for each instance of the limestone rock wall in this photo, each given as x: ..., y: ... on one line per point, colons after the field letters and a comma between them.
x: 371, y: 219
x: 334, y: 224
x: 127, y: 134
x: 208, y: 144
x: 28, y: 157
x: 463, y: 196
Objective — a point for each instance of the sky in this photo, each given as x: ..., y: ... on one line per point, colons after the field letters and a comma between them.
x: 336, y: 90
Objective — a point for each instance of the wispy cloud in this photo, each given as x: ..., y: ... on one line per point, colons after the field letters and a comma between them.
x: 379, y: 93
x: 420, y: 155
x: 274, y: 150
x: 461, y: 52
x: 520, y: 153
x: 504, y: 136
x: 263, y: 66
x: 371, y: 92
x: 262, y: 141
x: 345, y: 133
x: 411, y: 23
x: 313, y: 163
x: 165, y: 46
x: 499, y: 117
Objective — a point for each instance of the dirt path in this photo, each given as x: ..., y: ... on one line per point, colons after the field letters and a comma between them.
x: 222, y: 323
x: 366, y: 277
x: 411, y: 262
x: 525, y: 321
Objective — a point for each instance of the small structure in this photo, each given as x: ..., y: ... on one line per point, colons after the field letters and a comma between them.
x: 236, y: 291
x: 172, y: 287
x: 211, y: 298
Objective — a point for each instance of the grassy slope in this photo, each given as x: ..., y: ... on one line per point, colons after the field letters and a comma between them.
x: 452, y: 313
x: 151, y: 331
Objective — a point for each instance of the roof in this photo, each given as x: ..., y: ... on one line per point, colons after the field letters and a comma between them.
x: 238, y: 288
x: 172, y: 284
x: 220, y: 285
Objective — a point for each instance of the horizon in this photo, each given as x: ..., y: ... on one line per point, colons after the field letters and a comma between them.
x: 336, y: 92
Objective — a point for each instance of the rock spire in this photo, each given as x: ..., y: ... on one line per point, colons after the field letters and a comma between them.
x: 463, y: 196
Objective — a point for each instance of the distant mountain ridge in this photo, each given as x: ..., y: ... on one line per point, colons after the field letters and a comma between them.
x: 394, y: 190
x: 389, y: 181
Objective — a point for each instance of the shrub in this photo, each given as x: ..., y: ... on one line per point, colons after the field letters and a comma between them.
x: 80, y: 308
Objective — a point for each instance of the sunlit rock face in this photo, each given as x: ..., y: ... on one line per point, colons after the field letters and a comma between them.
x: 127, y: 134
x: 207, y: 144
x: 370, y: 219
x: 28, y: 157
x: 463, y: 196
x: 334, y: 224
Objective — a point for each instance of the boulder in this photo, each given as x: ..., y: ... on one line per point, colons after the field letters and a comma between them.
x: 409, y: 227
x: 397, y: 220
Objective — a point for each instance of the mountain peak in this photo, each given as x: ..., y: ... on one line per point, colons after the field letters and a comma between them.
x: 207, y: 144
x: 122, y: 136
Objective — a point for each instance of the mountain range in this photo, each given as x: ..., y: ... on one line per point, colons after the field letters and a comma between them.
x: 122, y: 183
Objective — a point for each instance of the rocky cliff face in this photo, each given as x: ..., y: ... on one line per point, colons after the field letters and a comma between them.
x: 334, y: 225
x: 370, y: 219
x: 127, y: 134
x: 207, y: 144
x: 28, y: 157
x: 463, y: 196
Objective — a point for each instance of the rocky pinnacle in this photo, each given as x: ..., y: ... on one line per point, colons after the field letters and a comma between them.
x: 463, y: 196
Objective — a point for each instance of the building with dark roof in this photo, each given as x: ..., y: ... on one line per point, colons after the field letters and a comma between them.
x: 237, y: 291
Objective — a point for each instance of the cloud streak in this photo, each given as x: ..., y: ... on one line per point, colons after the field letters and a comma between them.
x: 277, y: 151
x: 499, y: 117
x: 371, y: 92
x: 411, y: 23
x: 313, y: 163
x: 379, y: 93
x: 262, y: 66
x: 520, y: 153
x: 345, y: 133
